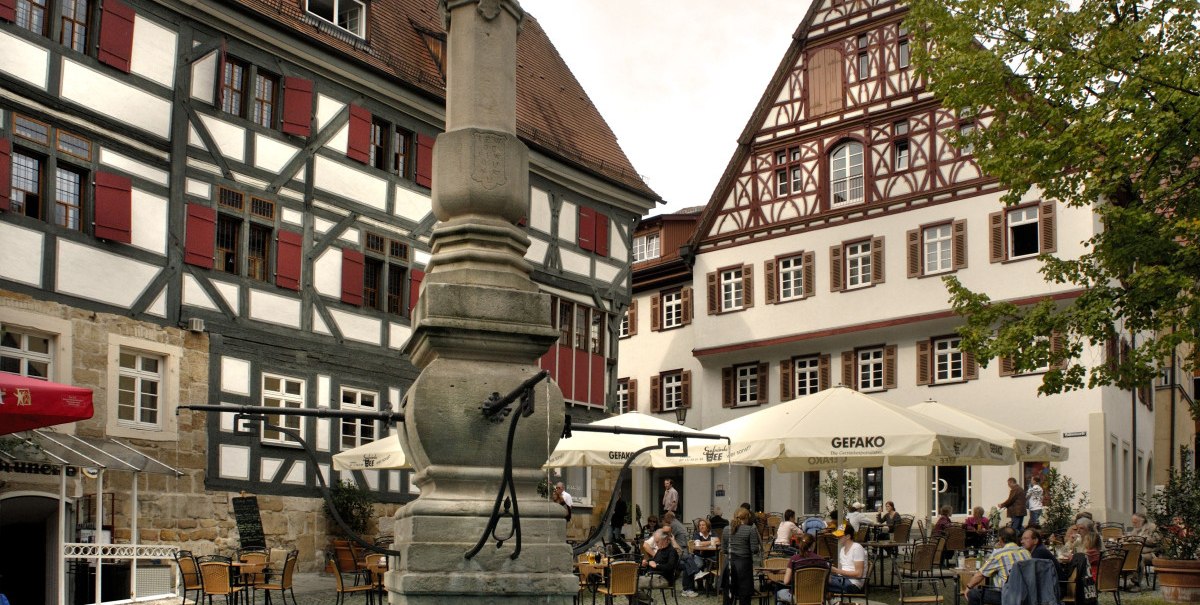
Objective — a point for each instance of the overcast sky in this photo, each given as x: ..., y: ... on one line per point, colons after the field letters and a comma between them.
x: 676, y: 80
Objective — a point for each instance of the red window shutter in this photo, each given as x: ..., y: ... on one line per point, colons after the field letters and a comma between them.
x: 352, y: 277
x: 923, y: 363
x: 220, y: 96
x: 8, y: 10
x: 547, y: 362
x: 297, y: 106
x: 587, y: 228
x: 359, y: 146
x: 201, y: 236
x: 786, y: 385
x: 596, y: 395
x: 116, y: 35
x: 424, y: 175
x: 5, y: 173
x: 114, y: 207
x: 580, y: 392
x: 602, y: 226
x: 287, y: 259
x: 414, y: 289
x: 566, y: 369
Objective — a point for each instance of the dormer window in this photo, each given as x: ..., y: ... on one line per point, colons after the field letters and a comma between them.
x: 350, y: 15
x: 846, y: 175
x: 645, y: 247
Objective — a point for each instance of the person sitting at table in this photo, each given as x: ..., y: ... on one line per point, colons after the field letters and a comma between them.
x: 889, y: 518
x: 716, y: 521
x: 943, y: 521
x: 997, y: 567
x: 1148, y: 531
x: 851, y: 571
x: 689, y: 564
x: 651, y: 526
x: 977, y: 526
x: 1090, y: 545
x: 706, y: 548
x: 857, y: 517
x: 1031, y: 540
x: 813, y: 525
x: 804, y: 558
x: 787, y: 530
x: 661, y: 568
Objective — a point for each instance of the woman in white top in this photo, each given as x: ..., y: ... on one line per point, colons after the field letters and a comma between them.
x: 787, y: 529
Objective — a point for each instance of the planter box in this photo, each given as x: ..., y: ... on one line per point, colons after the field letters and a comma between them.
x: 1179, y: 580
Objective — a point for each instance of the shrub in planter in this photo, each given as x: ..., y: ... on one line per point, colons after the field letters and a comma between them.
x: 1062, y: 501
x: 1176, y: 512
x: 353, y: 505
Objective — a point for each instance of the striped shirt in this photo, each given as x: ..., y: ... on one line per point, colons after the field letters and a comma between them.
x: 1001, y: 562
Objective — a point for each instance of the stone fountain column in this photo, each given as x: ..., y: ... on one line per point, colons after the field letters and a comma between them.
x: 481, y: 325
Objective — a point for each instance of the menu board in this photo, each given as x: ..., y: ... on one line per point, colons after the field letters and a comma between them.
x: 249, y: 522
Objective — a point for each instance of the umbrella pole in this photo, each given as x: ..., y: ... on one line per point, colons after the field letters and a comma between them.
x: 841, y: 503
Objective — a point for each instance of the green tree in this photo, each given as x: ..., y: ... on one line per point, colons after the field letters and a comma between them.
x: 1097, y: 105
x: 852, y: 489
x: 1062, y: 500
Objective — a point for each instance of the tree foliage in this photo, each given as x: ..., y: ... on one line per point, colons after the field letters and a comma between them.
x: 1179, y: 499
x: 1093, y: 104
x: 1062, y: 501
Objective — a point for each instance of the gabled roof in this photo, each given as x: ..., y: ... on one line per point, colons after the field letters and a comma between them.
x: 554, y: 113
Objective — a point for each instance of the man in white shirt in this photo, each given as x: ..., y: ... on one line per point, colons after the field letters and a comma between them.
x: 851, y: 569
x: 562, y: 497
x: 856, y: 516
x: 670, y: 500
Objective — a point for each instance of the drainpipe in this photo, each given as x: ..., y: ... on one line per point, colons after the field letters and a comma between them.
x: 1133, y: 414
x: 1172, y: 418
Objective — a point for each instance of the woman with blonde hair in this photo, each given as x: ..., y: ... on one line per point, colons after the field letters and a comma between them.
x: 741, y: 549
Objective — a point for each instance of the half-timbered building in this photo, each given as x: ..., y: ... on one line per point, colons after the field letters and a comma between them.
x: 818, y: 261
x: 229, y: 203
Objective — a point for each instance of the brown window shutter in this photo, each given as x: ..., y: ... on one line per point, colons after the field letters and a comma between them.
x: 913, y: 243
x: 1046, y: 225
x: 786, y: 384
x: 810, y: 274
x: 924, y: 362
x: 1058, y: 343
x: 959, y: 245
x: 747, y: 286
x: 764, y: 384
x: 889, y: 367
x: 656, y: 313
x: 685, y: 388
x: 726, y: 387
x: 877, y: 268
x: 632, y: 389
x: 970, y: 368
x: 835, y: 269
x: 1112, y: 353
x: 996, y: 236
x: 655, y: 394
x: 713, y: 294
x: 1146, y: 395
x: 1006, y: 366
x: 633, y: 317
x: 685, y: 300
x: 770, y: 283
x: 823, y: 372
x: 848, y: 370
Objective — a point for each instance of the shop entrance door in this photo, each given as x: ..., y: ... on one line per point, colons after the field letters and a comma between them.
x: 28, y: 531
x: 951, y: 487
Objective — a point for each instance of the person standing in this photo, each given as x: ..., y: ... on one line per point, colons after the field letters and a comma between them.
x: 670, y: 499
x: 1034, y: 498
x: 997, y: 567
x: 741, y: 550
x: 1014, y: 505
x: 617, y: 525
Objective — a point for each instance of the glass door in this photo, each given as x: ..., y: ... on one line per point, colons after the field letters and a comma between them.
x: 951, y: 487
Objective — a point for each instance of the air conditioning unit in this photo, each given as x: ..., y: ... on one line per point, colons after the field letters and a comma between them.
x: 195, y: 324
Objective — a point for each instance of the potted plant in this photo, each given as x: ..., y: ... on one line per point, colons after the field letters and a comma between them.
x: 1062, y: 500
x: 1176, y: 511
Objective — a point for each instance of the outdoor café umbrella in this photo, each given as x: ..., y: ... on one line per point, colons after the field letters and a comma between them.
x: 841, y: 428
x: 1026, y: 445
x: 382, y: 454
x: 28, y: 403
x: 609, y: 449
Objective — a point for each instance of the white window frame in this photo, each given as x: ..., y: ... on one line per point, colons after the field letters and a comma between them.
x: 949, y: 363
x: 869, y: 368
x: 624, y: 329
x: 782, y: 182
x: 806, y: 375
x: 171, y: 357
x: 24, y: 356
x: 900, y: 154
x: 790, y: 271
x: 646, y: 247
x: 937, y: 249
x: 286, y: 400
x: 847, y: 175
x: 672, y: 391
x: 1018, y: 217
x: 357, y: 425
x: 140, y: 379
x: 672, y: 309
x: 623, y: 403
x: 732, y: 294
x: 360, y: 31
x: 746, y: 381
x: 966, y: 130
x: 858, y: 264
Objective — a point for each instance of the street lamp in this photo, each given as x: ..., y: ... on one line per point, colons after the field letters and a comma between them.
x: 681, y: 415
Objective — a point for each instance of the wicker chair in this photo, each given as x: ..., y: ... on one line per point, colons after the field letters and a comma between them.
x: 189, y: 575
x: 284, y: 580
x: 343, y: 589
x: 956, y: 541
x: 217, y: 576
x: 622, y: 582
x: 1133, y: 548
x: 1108, y: 577
x: 808, y: 586
x: 919, y: 566
x: 767, y: 594
x: 1111, y: 530
x: 255, y: 576
x: 827, y: 546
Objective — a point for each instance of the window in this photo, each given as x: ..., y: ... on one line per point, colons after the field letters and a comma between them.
x: 266, y: 92
x: 645, y: 247
x: 402, y: 152
x: 731, y: 289
x: 744, y: 385
x: 597, y: 332
x: 383, y: 278
x: 581, y: 327
x: 747, y: 385
x: 900, y: 157
x: 858, y: 264
x: 672, y: 390
x: 624, y: 329
x: 30, y: 187
x: 676, y: 309
x: 74, y: 19
x: 233, y: 86
x: 1022, y: 232
x: 872, y: 480
x: 228, y: 237
x: 792, y: 282
x: 936, y: 249
x: 26, y: 185
x: 952, y: 487
x: 577, y: 481
x: 349, y: 15
x: 864, y: 59
x: 244, y: 231
x: 936, y: 246
x: 966, y: 130
x: 624, y: 400
x: 903, y: 54
x: 139, y: 385
x: 947, y: 360
x: 356, y: 432
x: 788, y: 173
x: 283, y: 393
x: 31, y: 15
x: 379, y: 141
x: 846, y: 175
x: 806, y: 371
x: 870, y: 369
x: 566, y: 311
x: 26, y: 353
x: 629, y: 320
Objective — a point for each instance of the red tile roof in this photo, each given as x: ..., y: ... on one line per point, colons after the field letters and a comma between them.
x: 554, y: 114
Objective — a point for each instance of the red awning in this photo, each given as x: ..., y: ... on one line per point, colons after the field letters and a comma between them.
x: 28, y: 403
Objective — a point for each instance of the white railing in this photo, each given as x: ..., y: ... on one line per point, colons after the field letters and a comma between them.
x: 123, y: 552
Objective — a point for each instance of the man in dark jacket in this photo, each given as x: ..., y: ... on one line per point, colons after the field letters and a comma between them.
x: 1014, y: 505
x: 661, y: 568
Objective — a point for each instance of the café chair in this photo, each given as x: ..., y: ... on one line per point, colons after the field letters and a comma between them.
x: 1133, y: 547
x: 919, y: 566
x: 863, y: 593
x: 621, y: 582
x: 809, y: 586
x: 217, y: 577
x: 367, y: 589
x: 283, y: 581
x: 189, y: 574
x: 1108, y: 577
x: 1111, y: 530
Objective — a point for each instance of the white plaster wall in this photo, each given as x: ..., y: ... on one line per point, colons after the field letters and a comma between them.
x: 271, y: 154
x: 149, y: 225
x: 228, y: 292
x: 327, y: 108
x: 204, y: 74
x: 153, y: 51
x: 21, y: 254
x: 536, y: 253
x: 159, y: 306
x: 327, y: 273
x: 397, y: 337
x: 340, y: 141
x: 539, y: 210
x: 94, y: 274
x: 275, y: 309
x: 357, y: 327
x: 109, y: 157
x: 606, y: 272
x: 194, y: 295
x: 118, y: 100
x: 412, y: 204
x: 574, y: 262
x: 23, y: 60
x: 229, y: 138
x: 234, y: 461
x: 198, y: 188
x: 293, y: 217
x: 568, y: 218
x: 616, y: 244
x: 350, y: 183
x: 235, y: 375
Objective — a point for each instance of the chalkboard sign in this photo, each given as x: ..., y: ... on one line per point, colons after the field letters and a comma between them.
x: 249, y: 523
